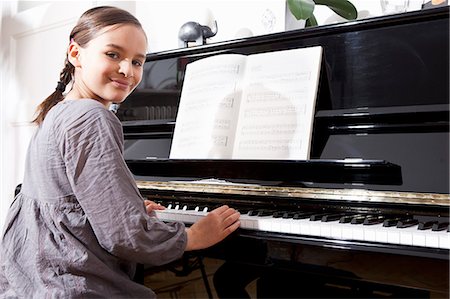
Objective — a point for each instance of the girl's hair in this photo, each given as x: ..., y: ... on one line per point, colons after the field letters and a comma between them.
x: 88, y: 27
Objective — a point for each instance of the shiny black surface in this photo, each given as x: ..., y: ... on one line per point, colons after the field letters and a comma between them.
x: 290, y: 172
x: 383, y: 95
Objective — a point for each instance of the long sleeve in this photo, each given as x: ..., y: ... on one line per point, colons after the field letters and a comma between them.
x: 92, y: 147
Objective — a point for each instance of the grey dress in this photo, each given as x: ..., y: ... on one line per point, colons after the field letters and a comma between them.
x: 79, y: 225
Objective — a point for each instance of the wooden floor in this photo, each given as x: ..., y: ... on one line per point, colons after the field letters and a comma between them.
x: 168, y: 285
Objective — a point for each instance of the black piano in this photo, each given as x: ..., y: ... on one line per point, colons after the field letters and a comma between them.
x: 367, y: 216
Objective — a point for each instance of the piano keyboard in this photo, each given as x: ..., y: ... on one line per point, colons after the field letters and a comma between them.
x: 336, y: 226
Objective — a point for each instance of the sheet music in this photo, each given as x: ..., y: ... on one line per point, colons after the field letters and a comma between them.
x: 248, y: 107
x: 208, y: 110
x: 278, y: 102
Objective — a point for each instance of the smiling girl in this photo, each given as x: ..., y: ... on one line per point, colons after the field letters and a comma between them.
x: 79, y: 225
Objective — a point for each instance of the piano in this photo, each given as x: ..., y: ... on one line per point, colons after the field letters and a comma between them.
x: 367, y: 215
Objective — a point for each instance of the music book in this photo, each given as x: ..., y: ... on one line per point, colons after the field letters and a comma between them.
x: 259, y: 106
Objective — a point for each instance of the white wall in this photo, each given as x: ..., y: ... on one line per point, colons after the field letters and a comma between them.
x: 236, y: 18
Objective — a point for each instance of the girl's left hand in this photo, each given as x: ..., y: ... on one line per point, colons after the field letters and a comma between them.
x: 151, y: 206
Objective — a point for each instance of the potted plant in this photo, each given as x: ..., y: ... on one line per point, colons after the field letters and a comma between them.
x: 304, y: 9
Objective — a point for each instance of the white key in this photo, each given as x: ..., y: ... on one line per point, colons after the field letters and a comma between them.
x: 357, y: 232
x: 381, y: 235
x: 325, y: 228
x: 444, y: 240
x: 336, y: 230
x: 286, y: 225
x: 347, y: 231
x: 370, y: 232
x: 314, y: 228
x: 406, y: 234
x: 264, y: 223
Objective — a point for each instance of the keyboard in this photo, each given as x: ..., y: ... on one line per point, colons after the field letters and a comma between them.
x: 355, y: 227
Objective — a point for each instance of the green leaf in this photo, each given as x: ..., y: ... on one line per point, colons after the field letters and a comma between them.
x: 301, y: 9
x: 311, y: 21
x: 342, y: 7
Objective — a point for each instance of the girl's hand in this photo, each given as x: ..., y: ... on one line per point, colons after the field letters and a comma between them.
x: 212, y: 228
x: 150, y: 206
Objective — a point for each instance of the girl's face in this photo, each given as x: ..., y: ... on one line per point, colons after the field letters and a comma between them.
x: 110, y: 66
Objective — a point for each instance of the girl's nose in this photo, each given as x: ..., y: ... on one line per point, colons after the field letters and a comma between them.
x: 126, y: 68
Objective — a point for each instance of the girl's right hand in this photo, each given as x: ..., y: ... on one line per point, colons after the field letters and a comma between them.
x: 212, y: 228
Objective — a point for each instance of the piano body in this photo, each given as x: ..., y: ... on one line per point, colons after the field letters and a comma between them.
x: 367, y: 215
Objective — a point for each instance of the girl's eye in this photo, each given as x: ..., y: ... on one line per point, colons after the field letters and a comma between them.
x: 137, y: 63
x: 112, y: 55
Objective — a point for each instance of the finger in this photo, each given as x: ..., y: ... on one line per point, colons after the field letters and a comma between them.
x: 158, y: 207
x: 232, y: 228
x: 231, y: 219
x: 220, y: 209
x: 228, y: 212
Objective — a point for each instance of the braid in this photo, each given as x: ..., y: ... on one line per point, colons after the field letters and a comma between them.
x: 57, y: 96
x: 67, y: 73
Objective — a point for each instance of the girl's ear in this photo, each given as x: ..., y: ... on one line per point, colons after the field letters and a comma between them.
x: 73, y: 53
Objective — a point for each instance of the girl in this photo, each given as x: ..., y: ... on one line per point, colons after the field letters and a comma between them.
x: 79, y: 225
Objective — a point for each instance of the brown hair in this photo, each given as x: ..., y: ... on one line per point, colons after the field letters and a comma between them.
x: 88, y: 27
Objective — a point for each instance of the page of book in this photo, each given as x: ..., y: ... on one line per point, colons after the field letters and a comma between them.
x: 252, y: 107
x: 209, y: 107
x: 277, y: 106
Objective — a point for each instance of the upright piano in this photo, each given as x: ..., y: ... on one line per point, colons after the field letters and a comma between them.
x: 368, y: 214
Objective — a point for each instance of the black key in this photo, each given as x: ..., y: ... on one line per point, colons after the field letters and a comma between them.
x: 392, y: 221
x: 243, y: 211
x: 440, y: 226
x: 371, y: 220
x: 278, y: 214
x: 253, y: 213
x: 261, y: 212
x: 288, y: 215
x: 347, y: 219
x: 317, y: 217
x: 358, y: 219
x: 302, y: 215
x: 426, y: 225
x: 331, y: 217
x: 266, y: 212
x: 404, y: 223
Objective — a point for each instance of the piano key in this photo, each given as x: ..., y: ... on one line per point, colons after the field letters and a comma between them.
x: 317, y: 217
x: 426, y: 225
x: 439, y: 226
x: 406, y: 234
x: 371, y: 220
x: 444, y: 239
x: 325, y: 228
x: 347, y: 219
x: 288, y: 215
x: 278, y: 214
x: 332, y: 217
x: 405, y: 223
x: 370, y: 231
x: 358, y: 219
x: 392, y: 221
x: 302, y: 215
